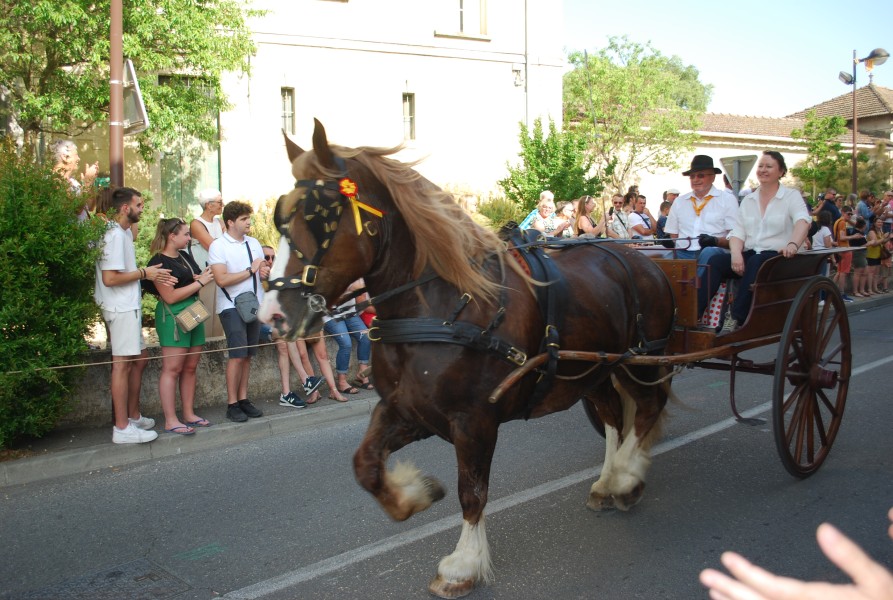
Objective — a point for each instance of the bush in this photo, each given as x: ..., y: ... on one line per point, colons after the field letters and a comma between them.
x: 500, y: 211
x: 47, y: 263
x: 558, y: 161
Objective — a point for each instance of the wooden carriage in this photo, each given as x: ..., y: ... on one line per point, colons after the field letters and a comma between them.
x: 794, y: 306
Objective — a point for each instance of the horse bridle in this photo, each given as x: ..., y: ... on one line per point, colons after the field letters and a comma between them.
x: 324, y: 203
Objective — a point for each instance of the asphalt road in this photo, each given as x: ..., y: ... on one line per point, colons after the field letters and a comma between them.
x: 283, y: 518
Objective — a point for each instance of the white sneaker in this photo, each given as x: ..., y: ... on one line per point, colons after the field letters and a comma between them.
x: 143, y: 422
x: 729, y: 325
x: 132, y: 435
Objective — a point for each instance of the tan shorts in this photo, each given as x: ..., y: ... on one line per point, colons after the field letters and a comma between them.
x: 125, y: 332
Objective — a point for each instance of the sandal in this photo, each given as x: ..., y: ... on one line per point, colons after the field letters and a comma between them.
x: 313, y: 399
x: 199, y: 423
x: 363, y: 385
x: 332, y: 397
x: 181, y: 430
x: 349, y: 390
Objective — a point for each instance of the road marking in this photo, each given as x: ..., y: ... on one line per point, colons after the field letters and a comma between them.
x: 346, y: 559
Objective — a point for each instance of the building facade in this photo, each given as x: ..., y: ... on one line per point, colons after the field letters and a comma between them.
x: 449, y: 79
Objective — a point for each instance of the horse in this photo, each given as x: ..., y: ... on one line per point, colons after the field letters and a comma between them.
x: 457, y: 312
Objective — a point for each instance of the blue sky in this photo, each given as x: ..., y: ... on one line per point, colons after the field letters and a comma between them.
x: 762, y: 58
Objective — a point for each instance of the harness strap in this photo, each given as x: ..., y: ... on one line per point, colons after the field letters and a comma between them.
x: 645, y: 346
x: 393, y: 331
x: 552, y: 301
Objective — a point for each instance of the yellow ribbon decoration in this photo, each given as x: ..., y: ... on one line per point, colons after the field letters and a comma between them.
x: 699, y: 207
x: 349, y: 190
x: 356, y: 205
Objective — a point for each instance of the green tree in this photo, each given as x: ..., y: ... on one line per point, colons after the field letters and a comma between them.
x: 823, y: 160
x: 874, y: 170
x: 54, y: 64
x: 47, y: 260
x: 637, y: 108
x: 558, y: 162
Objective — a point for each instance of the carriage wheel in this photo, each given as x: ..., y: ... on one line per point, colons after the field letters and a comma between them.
x: 814, y: 360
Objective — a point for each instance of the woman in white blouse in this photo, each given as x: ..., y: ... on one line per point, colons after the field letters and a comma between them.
x: 772, y: 220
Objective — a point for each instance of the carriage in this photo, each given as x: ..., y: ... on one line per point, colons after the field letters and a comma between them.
x: 795, y: 307
x: 473, y: 330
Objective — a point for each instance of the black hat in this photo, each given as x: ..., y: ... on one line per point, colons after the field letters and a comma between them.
x: 701, y: 162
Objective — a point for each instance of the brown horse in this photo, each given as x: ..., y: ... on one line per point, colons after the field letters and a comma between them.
x: 456, y: 314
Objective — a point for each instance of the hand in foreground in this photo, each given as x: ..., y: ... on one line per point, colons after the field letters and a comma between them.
x: 871, y: 581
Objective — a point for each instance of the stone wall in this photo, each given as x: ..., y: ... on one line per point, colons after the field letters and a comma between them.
x: 92, y: 399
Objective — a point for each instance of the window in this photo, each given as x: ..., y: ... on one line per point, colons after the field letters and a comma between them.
x: 408, y: 116
x: 463, y: 19
x: 288, y: 109
x: 471, y: 17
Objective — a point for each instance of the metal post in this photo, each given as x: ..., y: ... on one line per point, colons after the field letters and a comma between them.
x: 855, y: 185
x: 116, y: 95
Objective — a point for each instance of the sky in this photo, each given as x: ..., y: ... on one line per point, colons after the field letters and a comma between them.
x: 762, y: 58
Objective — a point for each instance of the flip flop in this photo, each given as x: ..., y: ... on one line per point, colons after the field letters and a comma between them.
x: 349, y: 390
x: 199, y: 423
x: 181, y: 430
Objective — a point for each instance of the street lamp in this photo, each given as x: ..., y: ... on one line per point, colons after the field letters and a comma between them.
x: 877, y: 57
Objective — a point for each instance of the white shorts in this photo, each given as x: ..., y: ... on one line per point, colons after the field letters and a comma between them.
x: 125, y: 332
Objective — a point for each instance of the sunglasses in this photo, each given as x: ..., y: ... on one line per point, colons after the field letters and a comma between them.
x: 269, y: 257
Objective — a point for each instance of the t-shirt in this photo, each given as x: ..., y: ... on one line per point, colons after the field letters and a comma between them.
x: 639, y: 219
x: 182, y: 267
x: 840, y: 228
x: 818, y: 240
x: 227, y: 251
x: 118, y: 254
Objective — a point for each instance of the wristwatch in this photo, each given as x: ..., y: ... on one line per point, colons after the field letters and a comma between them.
x: 249, y: 270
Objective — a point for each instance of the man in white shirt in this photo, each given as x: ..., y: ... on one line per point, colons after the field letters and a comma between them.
x: 117, y: 292
x: 703, y: 217
x: 237, y: 261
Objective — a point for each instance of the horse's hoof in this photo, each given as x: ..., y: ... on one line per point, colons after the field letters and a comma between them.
x: 599, y: 503
x: 631, y: 498
x: 436, y: 490
x: 450, y: 589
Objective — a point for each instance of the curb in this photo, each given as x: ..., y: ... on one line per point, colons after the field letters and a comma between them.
x: 110, y: 456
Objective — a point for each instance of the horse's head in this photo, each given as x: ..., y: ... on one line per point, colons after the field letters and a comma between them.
x: 330, y: 225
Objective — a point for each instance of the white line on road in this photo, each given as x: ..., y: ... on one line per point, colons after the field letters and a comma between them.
x: 346, y: 559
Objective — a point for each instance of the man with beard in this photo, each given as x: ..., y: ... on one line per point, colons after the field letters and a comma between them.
x: 117, y: 292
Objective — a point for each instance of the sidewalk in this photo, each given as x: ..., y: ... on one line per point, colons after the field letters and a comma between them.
x: 89, y: 449
x: 76, y: 450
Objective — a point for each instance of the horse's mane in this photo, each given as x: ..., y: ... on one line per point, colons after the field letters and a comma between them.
x: 445, y: 237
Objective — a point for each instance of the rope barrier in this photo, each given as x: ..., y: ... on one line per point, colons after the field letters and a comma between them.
x: 321, y: 337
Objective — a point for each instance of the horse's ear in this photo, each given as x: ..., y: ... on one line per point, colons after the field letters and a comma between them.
x: 321, y: 146
x: 292, y: 148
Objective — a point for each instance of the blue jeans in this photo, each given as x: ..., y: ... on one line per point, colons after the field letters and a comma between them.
x: 343, y: 330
